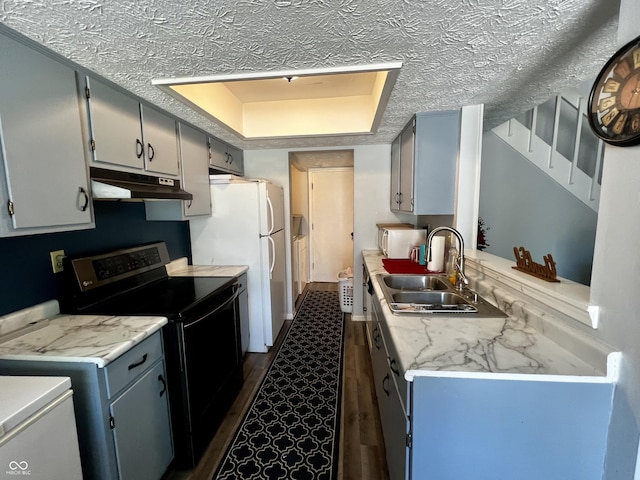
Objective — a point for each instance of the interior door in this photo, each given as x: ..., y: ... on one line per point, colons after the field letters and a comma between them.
x: 331, y: 218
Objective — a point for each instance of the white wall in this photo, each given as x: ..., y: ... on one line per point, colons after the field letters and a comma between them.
x: 615, y: 286
x: 616, y: 280
x: 371, y: 172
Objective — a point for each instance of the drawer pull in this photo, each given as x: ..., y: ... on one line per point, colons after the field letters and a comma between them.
x: 164, y: 384
x: 376, y: 338
x: 137, y: 364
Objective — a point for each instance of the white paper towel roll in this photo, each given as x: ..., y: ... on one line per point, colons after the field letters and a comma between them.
x: 436, y: 264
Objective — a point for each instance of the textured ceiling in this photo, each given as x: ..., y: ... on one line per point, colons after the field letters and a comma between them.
x: 507, y: 54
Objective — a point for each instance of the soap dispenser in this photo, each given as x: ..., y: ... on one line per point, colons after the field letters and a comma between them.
x: 452, y: 260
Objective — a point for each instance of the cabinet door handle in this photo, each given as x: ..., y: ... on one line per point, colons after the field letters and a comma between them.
x: 152, y: 152
x: 393, y: 365
x: 376, y: 338
x: 139, y: 148
x: 164, y: 384
x: 385, y: 381
x: 84, y: 206
x: 400, y: 198
x: 230, y: 158
x: 137, y: 364
x: 190, y: 203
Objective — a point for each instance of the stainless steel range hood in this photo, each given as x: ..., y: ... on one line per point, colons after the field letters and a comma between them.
x: 114, y: 185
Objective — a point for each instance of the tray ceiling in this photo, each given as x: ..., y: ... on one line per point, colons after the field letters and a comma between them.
x: 508, y: 54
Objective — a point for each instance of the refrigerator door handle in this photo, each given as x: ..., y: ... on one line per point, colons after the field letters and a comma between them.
x: 273, y: 256
x: 270, y: 226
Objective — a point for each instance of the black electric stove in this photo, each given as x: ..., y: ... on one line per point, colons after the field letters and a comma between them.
x: 171, y: 297
x: 202, y: 339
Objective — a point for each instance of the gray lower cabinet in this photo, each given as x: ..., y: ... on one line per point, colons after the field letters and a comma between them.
x: 489, y: 426
x: 141, y: 418
x: 225, y: 158
x: 393, y: 417
x: 424, y: 158
x: 126, y: 133
x: 122, y: 411
x: 42, y: 158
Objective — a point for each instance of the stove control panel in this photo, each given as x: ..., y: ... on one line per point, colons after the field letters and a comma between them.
x: 95, y: 271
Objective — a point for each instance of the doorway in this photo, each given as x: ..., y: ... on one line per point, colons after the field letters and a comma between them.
x: 302, y: 166
x: 331, y: 222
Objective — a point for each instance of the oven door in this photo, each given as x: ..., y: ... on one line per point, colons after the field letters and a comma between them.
x: 210, y: 376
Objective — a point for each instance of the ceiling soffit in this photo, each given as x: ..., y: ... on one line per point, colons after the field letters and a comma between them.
x: 508, y: 55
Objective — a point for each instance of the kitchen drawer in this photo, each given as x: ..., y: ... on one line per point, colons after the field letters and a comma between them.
x: 131, y: 364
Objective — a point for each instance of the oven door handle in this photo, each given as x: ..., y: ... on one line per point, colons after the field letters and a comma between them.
x: 232, y: 298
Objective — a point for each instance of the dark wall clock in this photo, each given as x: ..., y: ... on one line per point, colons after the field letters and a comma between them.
x: 614, y: 102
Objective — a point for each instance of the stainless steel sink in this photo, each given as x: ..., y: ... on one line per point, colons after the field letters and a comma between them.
x: 433, y: 294
x: 415, y: 282
x: 434, y: 302
x: 437, y: 298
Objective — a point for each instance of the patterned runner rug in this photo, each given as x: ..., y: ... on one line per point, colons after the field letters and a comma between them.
x: 291, y: 430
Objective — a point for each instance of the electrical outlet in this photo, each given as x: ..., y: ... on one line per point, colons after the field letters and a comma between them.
x: 56, y: 260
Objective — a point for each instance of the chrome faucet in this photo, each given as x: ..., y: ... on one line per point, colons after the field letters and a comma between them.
x: 459, y: 261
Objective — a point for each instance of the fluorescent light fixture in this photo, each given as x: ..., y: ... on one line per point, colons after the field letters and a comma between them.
x: 324, y: 101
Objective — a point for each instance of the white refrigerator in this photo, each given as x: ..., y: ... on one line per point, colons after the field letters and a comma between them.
x: 246, y: 227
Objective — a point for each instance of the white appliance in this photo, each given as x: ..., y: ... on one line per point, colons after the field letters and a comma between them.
x: 398, y: 242
x: 246, y: 227
x: 38, y: 436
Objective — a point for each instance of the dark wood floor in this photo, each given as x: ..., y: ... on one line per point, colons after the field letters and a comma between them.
x: 361, y: 443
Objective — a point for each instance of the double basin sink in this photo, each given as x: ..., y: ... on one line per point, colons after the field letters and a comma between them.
x: 427, y: 294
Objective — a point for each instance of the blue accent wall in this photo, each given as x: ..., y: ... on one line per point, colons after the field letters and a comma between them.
x: 26, y: 276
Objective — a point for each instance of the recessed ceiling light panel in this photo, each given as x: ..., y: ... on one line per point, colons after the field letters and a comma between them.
x: 326, y: 101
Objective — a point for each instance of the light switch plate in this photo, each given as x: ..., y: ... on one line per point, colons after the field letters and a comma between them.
x: 56, y: 260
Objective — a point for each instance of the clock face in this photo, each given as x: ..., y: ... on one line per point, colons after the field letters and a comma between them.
x: 614, y: 103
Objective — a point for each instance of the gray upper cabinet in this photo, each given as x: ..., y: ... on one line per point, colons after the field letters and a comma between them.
x: 224, y: 157
x: 194, y: 154
x: 395, y: 173
x: 125, y: 133
x: 41, y: 145
x: 160, y: 141
x: 195, y: 170
x: 423, y: 164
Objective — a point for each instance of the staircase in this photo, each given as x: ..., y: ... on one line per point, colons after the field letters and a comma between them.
x: 556, y: 137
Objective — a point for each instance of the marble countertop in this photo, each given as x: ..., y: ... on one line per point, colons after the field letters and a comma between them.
x: 42, y: 333
x: 97, y: 339
x: 180, y: 268
x: 459, y: 345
